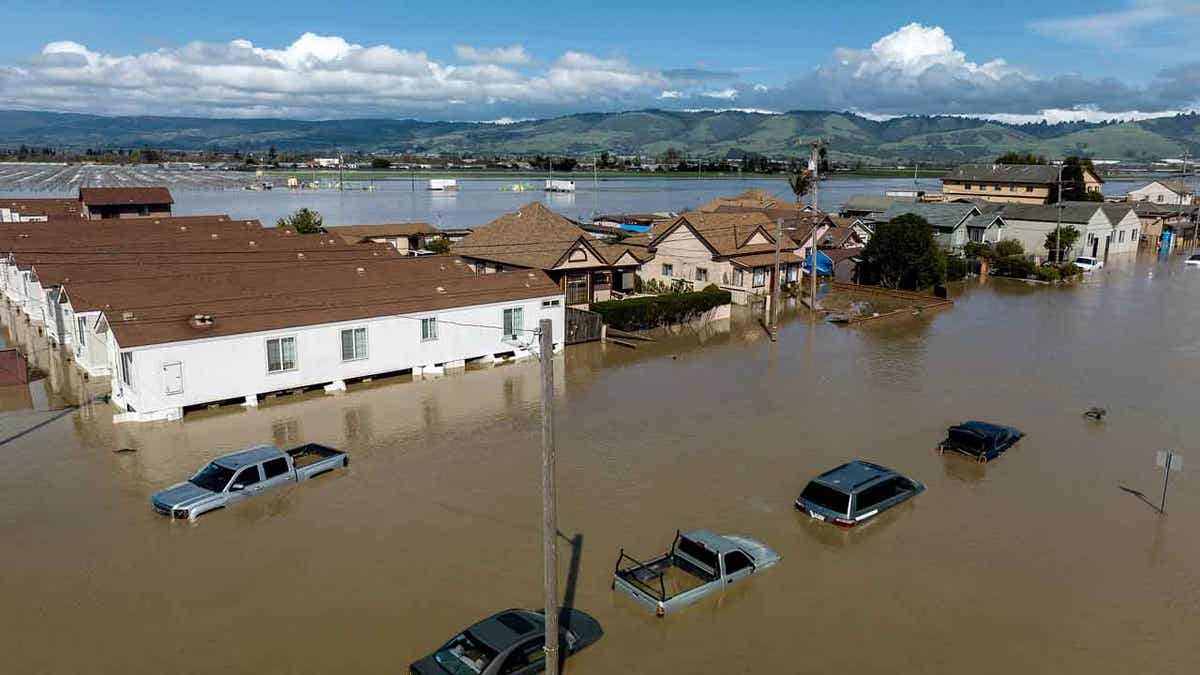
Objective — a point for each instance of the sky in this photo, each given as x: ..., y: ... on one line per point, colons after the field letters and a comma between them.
x: 503, y: 61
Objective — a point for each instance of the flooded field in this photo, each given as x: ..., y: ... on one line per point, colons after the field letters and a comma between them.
x: 1036, y: 563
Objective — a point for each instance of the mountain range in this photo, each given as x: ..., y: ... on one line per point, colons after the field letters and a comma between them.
x: 851, y: 137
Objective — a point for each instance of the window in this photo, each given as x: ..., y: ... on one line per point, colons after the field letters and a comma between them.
x: 826, y: 497
x: 737, y: 561
x: 739, y: 278
x: 881, y: 492
x: 82, y: 330
x: 429, y: 329
x: 281, y: 354
x: 1133, y: 235
x: 514, y: 322
x: 354, y: 344
x: 969, y: 186
x: 127, y: 369
x: 143, y: 210
x: 578, y: 255
x: 1121, y: 237
x: 550, y: 303
x: 248, y: 476
x: 759, y: 277
x: 668, y: 270
x: 1029, y: 188
x: 698, y: 554
x: 274, y: 467
x: 529, y: 654
x: 701, y: 274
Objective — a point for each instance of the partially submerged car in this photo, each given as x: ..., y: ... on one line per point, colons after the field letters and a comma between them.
x: 983, y: 441
x: 1088, y: 263
x: 1193, y: 260
x: 699, y: 563
x: 509, y: 643
x: 856, y: 491
x: 245, y: 473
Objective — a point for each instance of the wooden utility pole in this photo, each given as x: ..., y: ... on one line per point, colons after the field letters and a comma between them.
x: 775, y: 282
x: 812, y: 265
x: 1059, y: 210
x: 549, y: 516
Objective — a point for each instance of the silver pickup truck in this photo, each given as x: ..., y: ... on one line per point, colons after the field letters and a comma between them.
x: 245, y: 473
x: 698, y: 564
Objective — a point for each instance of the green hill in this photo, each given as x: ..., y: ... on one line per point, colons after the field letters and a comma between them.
x: 644, y: 132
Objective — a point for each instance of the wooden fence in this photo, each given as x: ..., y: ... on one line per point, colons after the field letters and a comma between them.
x: 583, y: 326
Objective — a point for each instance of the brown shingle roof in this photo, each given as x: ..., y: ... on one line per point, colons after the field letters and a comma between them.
x: 51, y: 208
x: 361, y: 232
x: 300, y: 295
x: 120, y: 196
x: 534, y: 237
x: 755, y: 198
x: 728, y: 234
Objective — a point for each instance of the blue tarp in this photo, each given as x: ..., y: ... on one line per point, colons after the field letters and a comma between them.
x: 633, y: 227
x: 824, y: 263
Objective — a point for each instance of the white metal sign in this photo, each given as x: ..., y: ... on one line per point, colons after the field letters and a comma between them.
x: 1165, y: 456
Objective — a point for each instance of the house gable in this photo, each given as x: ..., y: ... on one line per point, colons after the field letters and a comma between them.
x: 757, y: 238
x: 580, y: 254
x: 685, y: 239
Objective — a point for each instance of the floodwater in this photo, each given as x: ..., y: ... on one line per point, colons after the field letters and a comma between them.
x: 1036, y: 563
x: 480, y: 200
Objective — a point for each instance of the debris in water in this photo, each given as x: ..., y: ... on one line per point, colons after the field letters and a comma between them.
x: 1095, y: 413
x: 124, y: 450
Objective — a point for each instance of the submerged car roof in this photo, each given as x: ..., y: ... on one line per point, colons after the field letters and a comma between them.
x: 983, y: 428
x: 254, y: 455
x: 853, y: 476
x: 713, y: 542
x: 503, y: 630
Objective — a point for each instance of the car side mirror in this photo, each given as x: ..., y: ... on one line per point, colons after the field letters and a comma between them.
x: 237, y: 487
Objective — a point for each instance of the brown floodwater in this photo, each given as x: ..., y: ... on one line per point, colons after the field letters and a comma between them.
x: 1036, y: 563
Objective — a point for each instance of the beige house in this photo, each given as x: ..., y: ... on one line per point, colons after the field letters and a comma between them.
x: 734, y: 251
x: 404, y: 237
x: 1163, y: 191
x: 1009, y: 183
x: 535, y: 237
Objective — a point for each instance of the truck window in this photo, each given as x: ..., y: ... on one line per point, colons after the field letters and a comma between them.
x: 248, y: 476
x: 966, y: 440
x: 826, y: 497
x: 881, y: 492
x: 698, y: 553
x: 274, y: 467
x: 524, y: 656
x: 736, y: 562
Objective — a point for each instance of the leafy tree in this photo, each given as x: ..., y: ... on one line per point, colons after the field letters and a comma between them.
x: 904, y: 254
x: 1069, y: 235
x: 381, y: 163
x: 272, y: 153
x: 1073, y: 188
x: 1020, y: 158
x: 438, y: 245
x: 303, y: 221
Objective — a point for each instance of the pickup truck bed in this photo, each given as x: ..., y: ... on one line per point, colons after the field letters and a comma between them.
x: 306, y: 455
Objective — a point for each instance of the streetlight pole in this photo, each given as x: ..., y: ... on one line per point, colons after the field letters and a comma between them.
x: 1058, y: 211
x: 549, y: 516
x: 775, y: 281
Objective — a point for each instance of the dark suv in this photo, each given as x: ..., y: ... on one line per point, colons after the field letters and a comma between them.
x: 854, y: 492
x: 981, y: 440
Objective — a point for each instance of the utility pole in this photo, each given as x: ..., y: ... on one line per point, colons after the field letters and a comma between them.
x: 816, y: 187
x: 595, y: 187
x: 775, y: 282
x: 341, y: 165
x: 549, y: 517
x: 1058, y: 212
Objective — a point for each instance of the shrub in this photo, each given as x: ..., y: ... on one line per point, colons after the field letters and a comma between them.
x: 1009, y: 247
x: 1068, y: 270
x: 956, y: 268
x: 649, y: 312
x: 979, y: 249
x: 1014, y: 266
x: 1048, y: 273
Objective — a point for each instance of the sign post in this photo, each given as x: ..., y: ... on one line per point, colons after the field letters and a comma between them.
x: 1169, y: 461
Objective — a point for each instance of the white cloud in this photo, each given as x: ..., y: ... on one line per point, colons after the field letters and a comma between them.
x: 1055, y: 116
x: 505, y: 56
x: 726, y: 94
x: 1121, y: 27
x: 670, y: 93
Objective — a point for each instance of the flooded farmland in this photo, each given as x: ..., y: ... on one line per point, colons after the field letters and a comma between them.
x: 1035, y: 563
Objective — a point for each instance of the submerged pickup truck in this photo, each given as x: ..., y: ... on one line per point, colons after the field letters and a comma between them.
x: 699, y: 563
x: 245, y: 473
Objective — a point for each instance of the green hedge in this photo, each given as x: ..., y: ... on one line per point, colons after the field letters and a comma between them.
x: 651, y: 311
x: 1014, y: 266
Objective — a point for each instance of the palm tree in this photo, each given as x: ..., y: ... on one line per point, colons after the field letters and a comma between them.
x: 801, y: 183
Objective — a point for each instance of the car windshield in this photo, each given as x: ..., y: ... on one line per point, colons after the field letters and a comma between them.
x: 213, y: 477
x: 826, y: 497
x: 464, y: 655
x: 1085, y: 261
x: 1195, y: 257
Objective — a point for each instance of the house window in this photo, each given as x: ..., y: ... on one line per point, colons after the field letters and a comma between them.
x: 514, y: 322
x: 429, y: 329
x: 1029, y: 188
x: 1133, y: 234
x: 546, y: 304
x: 578, y: 255
x: 668, y: 270
x: 969, y: 186
x: 701, y: 274
x: 1121, y: 237
x: 354, y: 344
x: 739, y: 278
x: 127, y: 369
x: 82, y: 321
x: 281, y: 354
x: 759, y: 277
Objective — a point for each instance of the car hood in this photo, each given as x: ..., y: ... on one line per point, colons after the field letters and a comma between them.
x: 426, y: 666
x: 181, y: 495
x: 764, y: 556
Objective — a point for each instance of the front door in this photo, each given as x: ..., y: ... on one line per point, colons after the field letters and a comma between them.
x: 577, y: 288
x: 173, y: 377
x: 1095, y: 246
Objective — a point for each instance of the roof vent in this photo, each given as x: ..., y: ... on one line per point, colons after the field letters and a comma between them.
x: 201, y: 321
x: 530, y: 275
x: 213, y: 235
x: 23, y: 235
x: 442, y: 267
x: 360, y: 270
x: 182, y: 228
x: 253, y: 243
x: 128, y: 316
x: 300, y: 256
x: 441, y: 289
x: 458, y: 261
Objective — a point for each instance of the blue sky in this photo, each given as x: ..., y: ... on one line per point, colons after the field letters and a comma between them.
x: 486, y: 61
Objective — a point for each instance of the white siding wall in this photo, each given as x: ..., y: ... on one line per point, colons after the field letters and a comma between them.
x: 221, y: 368
x: 1158, y: 194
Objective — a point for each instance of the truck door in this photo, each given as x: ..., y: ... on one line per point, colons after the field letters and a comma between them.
x: 275, y: 472
x: 737, y: 566
x: 173, y: 378
x: 245, y: 484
